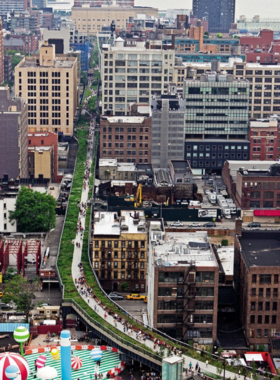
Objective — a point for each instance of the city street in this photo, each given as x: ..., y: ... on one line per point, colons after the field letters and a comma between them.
x: 135, y: 308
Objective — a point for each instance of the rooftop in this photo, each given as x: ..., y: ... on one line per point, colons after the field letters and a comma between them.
x: 130, y: 222
x: 66, y: 63
x: 126, y: 167
x: 226, y: 256
x: 182, y: 249
x: 108, y: 162
x: 127, y: 119
x: 180, y: 166
x: 260, y: 248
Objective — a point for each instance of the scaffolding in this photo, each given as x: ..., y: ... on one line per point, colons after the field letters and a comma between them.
x: 17, y: 253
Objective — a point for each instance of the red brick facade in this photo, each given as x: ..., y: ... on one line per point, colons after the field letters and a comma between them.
x: 47, y: 139
x: 263, y: 136
x: 128, y: 139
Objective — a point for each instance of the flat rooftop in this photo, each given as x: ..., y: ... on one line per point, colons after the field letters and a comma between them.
x: 180, y: 166
x: 130, y: 222
x: 260, y: 248
x: 256, y: 173
x: 108, y: 162
x: 182, y: 249
x: 58, y: 63
x: 127, y: 119
x: 226, y: 256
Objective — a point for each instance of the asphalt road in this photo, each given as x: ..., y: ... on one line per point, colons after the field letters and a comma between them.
x: 135, y: 308
x: 227, y: 224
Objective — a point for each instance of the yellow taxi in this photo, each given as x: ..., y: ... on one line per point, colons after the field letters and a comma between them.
x: 135, y: 296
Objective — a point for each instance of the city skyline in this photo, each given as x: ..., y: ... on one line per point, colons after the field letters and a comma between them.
x: 249, y: 8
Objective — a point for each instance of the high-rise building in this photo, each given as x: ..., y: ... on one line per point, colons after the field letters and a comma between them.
x: 13, y: 131
x: 217, y: 113
x: 98, y: 3
x: 1, y: 54
x: 39, y: 3
x: 49, y: 85
x: 219, y: 13
x: 264, y: 81
x: 120, y: 249
x: 168, y: 130
x: 90, y: 20
x: 132, y: 75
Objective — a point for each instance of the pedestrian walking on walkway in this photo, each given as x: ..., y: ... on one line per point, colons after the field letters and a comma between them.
x: 207, y: 363
x: 190, y: 365
x: 196, y: 366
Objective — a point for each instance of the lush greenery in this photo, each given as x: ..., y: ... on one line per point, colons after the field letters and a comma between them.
x: 94, y: 58
x: 15, y: 58
x: 124, y: 286
x: 91, y: 105
x: 224, y: 242
x: 34, y: 212
x: 11, y: 273
x: 22, y: 293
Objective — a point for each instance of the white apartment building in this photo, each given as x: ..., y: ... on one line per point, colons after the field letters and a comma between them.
x: 6, y: 205
x: 133, y: 74
x: 264, y: 81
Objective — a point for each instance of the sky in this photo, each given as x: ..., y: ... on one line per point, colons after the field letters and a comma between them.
x: 249, y: 8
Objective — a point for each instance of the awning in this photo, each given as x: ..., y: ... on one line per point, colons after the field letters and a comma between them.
x: 266, y: 212
x: 253, y: 357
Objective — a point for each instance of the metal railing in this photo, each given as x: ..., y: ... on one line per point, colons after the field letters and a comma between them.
x: 112, y: 335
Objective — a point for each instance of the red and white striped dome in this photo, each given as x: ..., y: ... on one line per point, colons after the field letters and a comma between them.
x: 11, y: 358
x: 76, y: 362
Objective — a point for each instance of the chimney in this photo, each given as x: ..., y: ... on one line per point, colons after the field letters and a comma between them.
x: 238, y: 226
x: 201, y: 32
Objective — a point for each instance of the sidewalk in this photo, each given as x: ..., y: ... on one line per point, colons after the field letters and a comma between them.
x: 76, y: 273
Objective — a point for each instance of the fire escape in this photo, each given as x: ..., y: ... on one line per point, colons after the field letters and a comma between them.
x: 188, y: 298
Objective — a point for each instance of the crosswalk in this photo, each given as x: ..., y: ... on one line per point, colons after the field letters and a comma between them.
x: 109, y: 361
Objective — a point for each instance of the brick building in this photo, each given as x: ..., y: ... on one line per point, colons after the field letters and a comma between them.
x: 263, y: 136
x: 254, y: 188
x: 128, y: 139
x: 261, y: 48
x: 183, y: 277
x: 256, y: 278
x: 43, y: 140
x: 120, y: 250
x: 30, y: 42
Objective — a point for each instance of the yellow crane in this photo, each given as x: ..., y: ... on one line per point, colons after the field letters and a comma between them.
x: 138, y: 196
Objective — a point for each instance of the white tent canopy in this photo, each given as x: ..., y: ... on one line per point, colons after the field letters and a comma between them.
x: 253, y: 357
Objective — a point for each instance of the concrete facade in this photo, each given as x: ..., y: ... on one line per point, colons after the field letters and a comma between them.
x: 91, y: 19
x: 133, y: 74
x: 13, y: 131
x: 168, y: 130
x: 49, y: 85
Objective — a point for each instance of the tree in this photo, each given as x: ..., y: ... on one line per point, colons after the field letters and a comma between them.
x: 224, y: 242
x: 11, y: 273
x: 206, y: 35
x: 34, y: 212
x: 124, y: 286
x: 22, y: 293
x: 219, y: 35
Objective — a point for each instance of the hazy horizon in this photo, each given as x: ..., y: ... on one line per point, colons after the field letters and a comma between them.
x: 249, y: 8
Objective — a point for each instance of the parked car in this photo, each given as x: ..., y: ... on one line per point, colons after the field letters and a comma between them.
x: 254, y: 225
x: 184, y: 202
x: 195, y: 225
x: 209, y: 225
x: 177, y: 224
x: 207, y: 192
x: 115, y: 297
x: 135, y: 296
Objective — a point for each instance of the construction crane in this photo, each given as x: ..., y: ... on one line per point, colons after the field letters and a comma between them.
x: 138, y: 196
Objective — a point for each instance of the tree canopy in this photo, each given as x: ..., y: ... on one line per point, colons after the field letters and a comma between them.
x: 34, y: 212
x: 22, y: 293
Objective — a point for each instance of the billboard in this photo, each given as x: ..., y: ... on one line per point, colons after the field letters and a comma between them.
x: 206, y: 213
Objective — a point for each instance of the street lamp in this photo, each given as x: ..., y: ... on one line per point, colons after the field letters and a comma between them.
x: 224, y: 364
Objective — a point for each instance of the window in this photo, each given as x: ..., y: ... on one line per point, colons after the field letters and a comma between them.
x: 254, y: 278
x: 275, y: 292
x: 253, y: 292
x: 259, y: 333
x: 276, y: 279
x: 268, y: 292
x: 259, y: 319
x: 273, y: 319
x: 260, y: 306
x: 252, y: 319
x: 266, y: 319
x: 260, y: 292
x: 253, y: 305
x: 274, y: 306
x: 267, y: 306
x: 265, y: 278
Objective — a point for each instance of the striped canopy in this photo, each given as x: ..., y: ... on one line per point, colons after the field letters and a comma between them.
x: 11, y: 358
